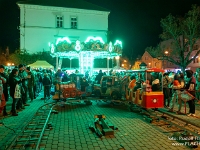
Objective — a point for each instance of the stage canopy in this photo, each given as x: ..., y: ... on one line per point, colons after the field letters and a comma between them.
x: 41, y: 64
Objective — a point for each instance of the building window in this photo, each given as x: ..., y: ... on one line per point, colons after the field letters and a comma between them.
x: 74, y: 22
x: 59, y: 21
x: 196, y: 60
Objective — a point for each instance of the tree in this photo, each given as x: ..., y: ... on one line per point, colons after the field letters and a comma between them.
x: 180, y: 34
x: 3, y: 59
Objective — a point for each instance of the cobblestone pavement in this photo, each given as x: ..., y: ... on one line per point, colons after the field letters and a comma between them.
x: 71, y: 130
x: 192, y: 120
x: 13, y: 125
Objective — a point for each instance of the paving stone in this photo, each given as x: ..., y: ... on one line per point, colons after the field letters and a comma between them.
x: 90, y: 146
x: 68, y: 133
x: 54, y: 146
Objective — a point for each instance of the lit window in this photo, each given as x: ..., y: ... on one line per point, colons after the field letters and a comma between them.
x: 74, y: 22
x: 59, y: 21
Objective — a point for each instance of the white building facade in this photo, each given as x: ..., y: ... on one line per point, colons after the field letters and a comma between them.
x: 43, y: 22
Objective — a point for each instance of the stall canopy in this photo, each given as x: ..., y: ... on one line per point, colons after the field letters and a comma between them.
x: 41, y: 64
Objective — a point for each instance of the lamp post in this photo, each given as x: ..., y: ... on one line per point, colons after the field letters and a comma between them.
x: 117, y: 60
x: 70, y: 64
x: 108, y: 64
x: 164, y: 55
x: 149, y: 65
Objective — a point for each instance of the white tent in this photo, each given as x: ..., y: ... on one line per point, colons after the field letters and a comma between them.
x: 41, y: 64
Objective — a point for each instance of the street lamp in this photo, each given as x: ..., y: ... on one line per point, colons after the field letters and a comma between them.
x: 163, y: 59
x: 149, y: 65
x: 70, y: 60
x: 108, y: 64
x: 117, y: 59
x: 166, y: 54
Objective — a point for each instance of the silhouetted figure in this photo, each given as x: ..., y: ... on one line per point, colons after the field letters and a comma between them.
x: 99, y: 76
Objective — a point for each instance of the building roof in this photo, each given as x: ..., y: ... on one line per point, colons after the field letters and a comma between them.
x: 152, y: 54
x: 79, y: 4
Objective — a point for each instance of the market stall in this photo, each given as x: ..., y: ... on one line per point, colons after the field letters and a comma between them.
x: 41, y: 64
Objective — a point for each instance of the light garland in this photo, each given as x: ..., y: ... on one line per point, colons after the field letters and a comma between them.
x: 91, y: 38
x: 118, y: 43
x: 63, y: 39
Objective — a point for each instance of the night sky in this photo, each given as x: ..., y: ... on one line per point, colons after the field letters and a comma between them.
x: 135, y: 22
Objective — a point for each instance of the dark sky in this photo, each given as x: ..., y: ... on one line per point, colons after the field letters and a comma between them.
x: 135, y: 22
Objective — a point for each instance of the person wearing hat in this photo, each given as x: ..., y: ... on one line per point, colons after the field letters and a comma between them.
x: 5, y: 82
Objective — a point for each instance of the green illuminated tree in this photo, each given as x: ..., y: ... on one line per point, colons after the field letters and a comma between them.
x: 179, y: 38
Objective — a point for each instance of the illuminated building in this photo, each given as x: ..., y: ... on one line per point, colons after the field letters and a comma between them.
x: 85, y: 52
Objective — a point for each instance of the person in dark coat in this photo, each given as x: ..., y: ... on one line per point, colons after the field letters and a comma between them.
x: 23, y: 75
x: 190, y: 87
x: 99, y: 76
x: 47, y: 85
x: 14, y: 80
x: 5, y: 86
x: 30, y: 82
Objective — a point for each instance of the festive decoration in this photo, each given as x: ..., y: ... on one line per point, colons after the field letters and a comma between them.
x: 91, y: 39
x: 110, y: 47
x: 78, y: 45
x: 63, y: 39
x: 87, y: 51
x: 52, y: 48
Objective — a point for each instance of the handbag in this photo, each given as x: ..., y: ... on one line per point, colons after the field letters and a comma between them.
x: 17, y: 93
x: 186, y: 96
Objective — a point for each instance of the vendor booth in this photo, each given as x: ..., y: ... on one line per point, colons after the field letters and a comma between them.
x: 41, y: 64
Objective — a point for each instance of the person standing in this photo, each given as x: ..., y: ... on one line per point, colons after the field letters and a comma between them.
x: 166, y: 90
x: 31, y: 82
x: 190, y: 87
x: 198, y: 83
x: 23, y: 77
x: 99, y: 76
x: 5, y: 86
x: 15, y: 93
x: 47, y: 85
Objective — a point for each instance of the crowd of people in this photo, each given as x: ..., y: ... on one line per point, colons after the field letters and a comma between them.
x: 177, y: 87
x: 23, y: 83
